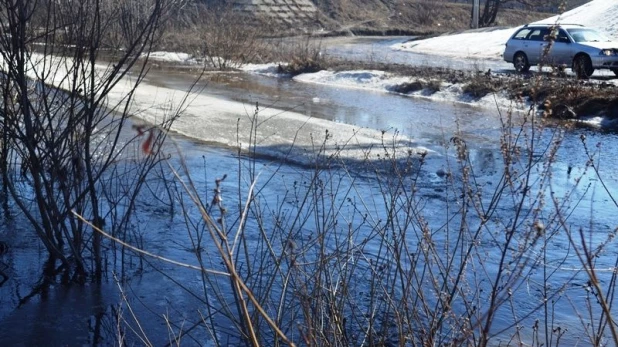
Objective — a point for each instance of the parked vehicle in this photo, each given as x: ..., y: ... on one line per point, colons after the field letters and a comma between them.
x: 582, y: 48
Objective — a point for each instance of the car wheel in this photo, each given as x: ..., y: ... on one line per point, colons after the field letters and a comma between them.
x: 615, y: 71
x: 520, y: 62
x: 582, y: 66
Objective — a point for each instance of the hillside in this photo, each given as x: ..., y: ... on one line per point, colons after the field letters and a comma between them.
x: 384, y: 17
x: 424, y: 16
x: 410, y: 17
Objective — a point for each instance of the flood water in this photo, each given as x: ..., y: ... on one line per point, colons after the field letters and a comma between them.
x: 427, y: 122
x: 88, y: 315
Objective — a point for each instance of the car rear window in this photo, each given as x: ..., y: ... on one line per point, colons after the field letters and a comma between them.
x: 522, y: 34
x: 533, y: 34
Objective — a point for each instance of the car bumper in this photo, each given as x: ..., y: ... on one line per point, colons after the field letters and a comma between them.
x: 508, y: 55
x: 605, y: 62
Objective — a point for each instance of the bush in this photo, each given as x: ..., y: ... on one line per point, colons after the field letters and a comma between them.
x: 407, y: 88
x: 338, y: 261
x: 430, y: 86
x: 482, y: 85
x: 224, y: 37
x: 302, y: 55
x: 299, y: 66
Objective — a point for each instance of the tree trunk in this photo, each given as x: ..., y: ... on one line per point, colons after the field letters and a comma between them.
x: 490, y: 11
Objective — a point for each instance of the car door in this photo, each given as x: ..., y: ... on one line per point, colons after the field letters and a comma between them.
x: 562, y: 50
x: 535, y: 44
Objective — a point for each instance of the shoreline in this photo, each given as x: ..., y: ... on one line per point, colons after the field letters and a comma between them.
x: 561, y: 96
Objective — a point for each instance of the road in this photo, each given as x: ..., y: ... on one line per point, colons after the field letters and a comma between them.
x: 378, y: 49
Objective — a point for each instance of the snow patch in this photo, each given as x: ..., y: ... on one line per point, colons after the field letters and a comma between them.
x: 271, y: 69
x: 170, y: 57
x: 601, y: 14
x: 380, y: 81
x: 360, y: 79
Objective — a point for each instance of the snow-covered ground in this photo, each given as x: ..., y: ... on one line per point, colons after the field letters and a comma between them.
x: 489, y: 44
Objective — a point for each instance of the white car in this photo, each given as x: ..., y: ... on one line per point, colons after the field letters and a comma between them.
x: 581, y: 48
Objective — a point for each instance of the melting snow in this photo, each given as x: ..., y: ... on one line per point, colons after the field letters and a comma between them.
x: 171, y: 57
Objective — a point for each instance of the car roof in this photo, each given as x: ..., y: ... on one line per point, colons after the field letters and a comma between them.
x: 562, y: 25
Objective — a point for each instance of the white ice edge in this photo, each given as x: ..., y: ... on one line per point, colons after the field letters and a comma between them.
x: 281, y: 134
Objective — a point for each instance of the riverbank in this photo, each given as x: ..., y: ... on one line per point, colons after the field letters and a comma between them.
x: 559, y: 95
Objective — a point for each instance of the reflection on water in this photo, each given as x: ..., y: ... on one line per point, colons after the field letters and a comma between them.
x: 428, y: 123
x: 56, y: 314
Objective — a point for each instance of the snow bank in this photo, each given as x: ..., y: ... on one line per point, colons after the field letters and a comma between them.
x: 362, y: 79
x: 471, y: 44
x: 602, y: 14
x: 170, y: 57
x: 271, y: 69
x: 380, y: 81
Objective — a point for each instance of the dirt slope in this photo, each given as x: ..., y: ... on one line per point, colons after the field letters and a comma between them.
x: 381, y: 17
x: 416, y: 16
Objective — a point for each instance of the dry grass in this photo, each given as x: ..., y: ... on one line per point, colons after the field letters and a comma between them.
x: 430, y: 86
x: 420, y: 17
x: 580, y: 97
x: 481, y: 85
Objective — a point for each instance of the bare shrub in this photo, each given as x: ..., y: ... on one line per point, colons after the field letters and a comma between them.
x: 62, y: 136
x: 335, y: 261
x: 351, y: 252
x: 433, y: 85
x: 422, y: 13
x: 298, y: 55
x: 407, y: 88
x: 482, y: 85
x: 299, y: 65
x: 224, y: 37
x: 430, y: 86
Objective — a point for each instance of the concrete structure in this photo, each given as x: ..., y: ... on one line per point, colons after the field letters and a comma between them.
x: 280, y: 11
